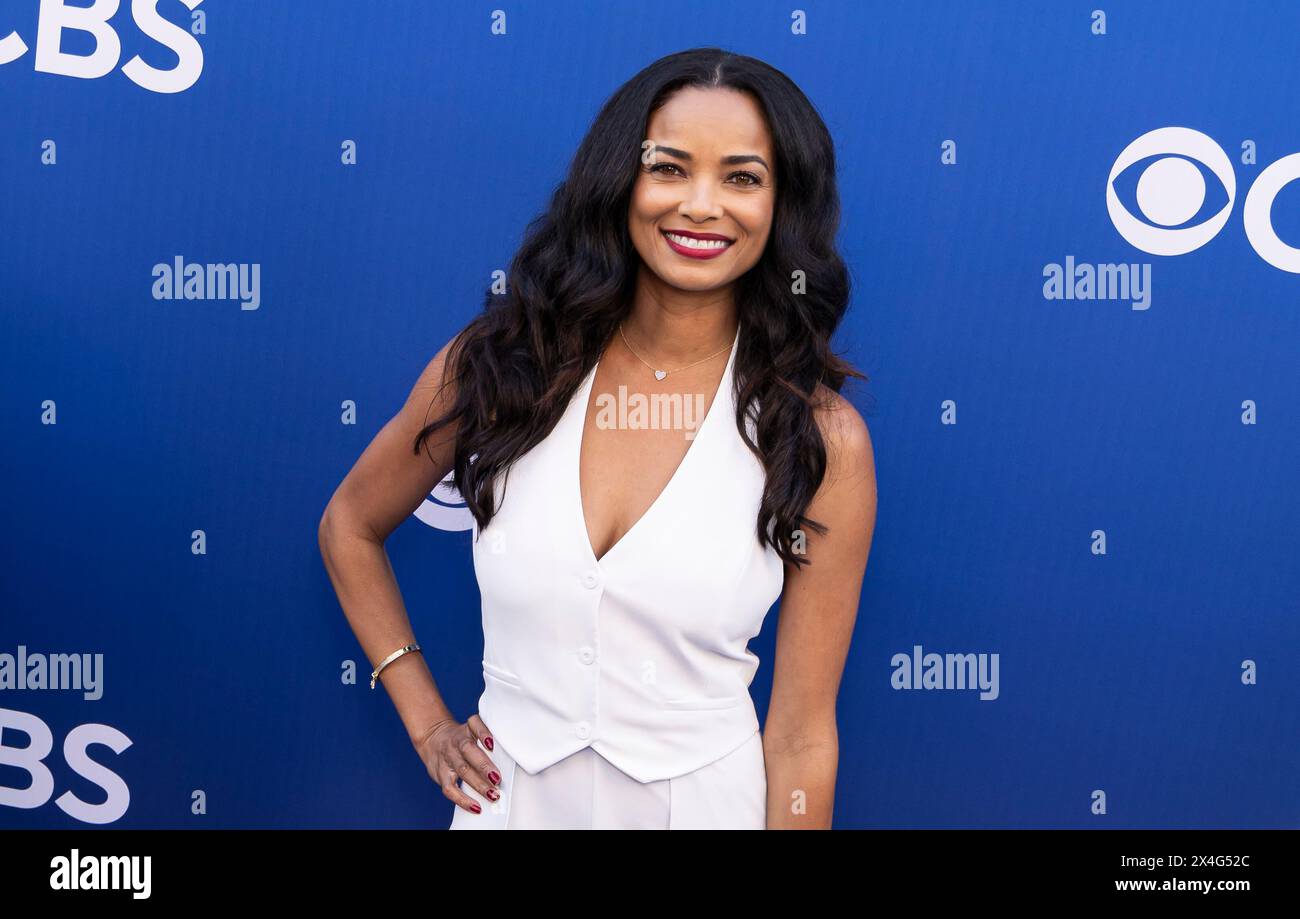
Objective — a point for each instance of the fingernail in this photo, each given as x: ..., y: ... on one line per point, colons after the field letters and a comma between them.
x: 493, y: 794
x: 487, y: 742
x: 475, y: 808
x: 495, y: 777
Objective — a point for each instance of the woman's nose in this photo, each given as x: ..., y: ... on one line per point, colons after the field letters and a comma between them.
x: 701, y: 201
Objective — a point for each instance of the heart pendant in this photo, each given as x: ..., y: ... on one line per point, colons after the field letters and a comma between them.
x: 660, y: 374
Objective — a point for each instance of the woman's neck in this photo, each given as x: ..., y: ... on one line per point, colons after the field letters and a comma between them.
x: 683, y: 327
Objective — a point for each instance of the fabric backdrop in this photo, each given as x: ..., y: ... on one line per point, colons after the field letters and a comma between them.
x: 1081, y: 331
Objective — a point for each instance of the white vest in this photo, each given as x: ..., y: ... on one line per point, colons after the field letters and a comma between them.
x: 642, y: 655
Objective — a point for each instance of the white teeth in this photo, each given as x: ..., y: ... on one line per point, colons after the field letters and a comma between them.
x: 698, y: 243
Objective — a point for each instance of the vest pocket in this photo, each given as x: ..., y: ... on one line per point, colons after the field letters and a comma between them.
x: 702, y: 702
x: 501, y: 674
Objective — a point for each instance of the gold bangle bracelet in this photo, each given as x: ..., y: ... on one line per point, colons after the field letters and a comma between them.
x: 389, y: 659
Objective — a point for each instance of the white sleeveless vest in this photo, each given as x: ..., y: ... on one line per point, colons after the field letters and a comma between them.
x: 643, y: 654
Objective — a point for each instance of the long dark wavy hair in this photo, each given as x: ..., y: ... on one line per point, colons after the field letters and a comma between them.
x: 519, y: 362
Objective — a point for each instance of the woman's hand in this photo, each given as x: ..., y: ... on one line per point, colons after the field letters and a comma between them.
x: 450, y: 751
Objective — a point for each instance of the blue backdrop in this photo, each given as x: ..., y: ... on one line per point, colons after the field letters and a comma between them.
x: 1100, y: 491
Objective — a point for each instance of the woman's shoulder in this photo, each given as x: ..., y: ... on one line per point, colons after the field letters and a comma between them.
x: 436, y: 385
x: 843, y: 429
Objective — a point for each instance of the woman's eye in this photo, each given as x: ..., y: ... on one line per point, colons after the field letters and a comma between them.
x: 750, y: 180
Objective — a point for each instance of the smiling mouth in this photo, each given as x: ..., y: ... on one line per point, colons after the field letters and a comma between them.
x: 702, y: 245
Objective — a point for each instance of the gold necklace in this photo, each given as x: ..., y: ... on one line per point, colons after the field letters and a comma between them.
x: 660, y: 374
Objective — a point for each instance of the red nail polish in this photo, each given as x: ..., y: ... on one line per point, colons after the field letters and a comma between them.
x: 475, y: 808
x: 493, y: 794
x: 495, y: 777
x: 487, y: 742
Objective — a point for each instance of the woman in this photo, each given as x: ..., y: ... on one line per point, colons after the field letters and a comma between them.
x: 688, y: 261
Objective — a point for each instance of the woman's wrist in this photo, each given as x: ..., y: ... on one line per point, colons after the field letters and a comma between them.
x: 419, y: 737
x: 411, y: 688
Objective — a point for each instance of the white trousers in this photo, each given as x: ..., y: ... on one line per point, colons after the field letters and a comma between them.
x: 585, y: 791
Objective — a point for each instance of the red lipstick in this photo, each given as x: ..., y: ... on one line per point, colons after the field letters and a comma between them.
x: 702, y: 252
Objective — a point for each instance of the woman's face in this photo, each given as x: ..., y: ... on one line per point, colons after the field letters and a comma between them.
x: 710, y: 174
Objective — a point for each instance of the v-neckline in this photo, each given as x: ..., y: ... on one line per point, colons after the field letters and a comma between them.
x: 584, y: 402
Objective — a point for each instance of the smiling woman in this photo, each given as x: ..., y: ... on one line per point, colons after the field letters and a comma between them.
x: 695, y: 195
x: 624, y: 567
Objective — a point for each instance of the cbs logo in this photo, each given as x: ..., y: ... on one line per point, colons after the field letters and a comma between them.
x: 76, y: 753
x: 1171, y: 190
x: 54, y: 18
x: 444, y: 508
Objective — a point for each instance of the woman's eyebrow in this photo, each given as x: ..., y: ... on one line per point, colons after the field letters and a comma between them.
x: 732, y: 160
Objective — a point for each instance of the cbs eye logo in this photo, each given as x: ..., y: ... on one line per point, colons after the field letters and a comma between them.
x: 1171, y: 190
x: 444, y: 508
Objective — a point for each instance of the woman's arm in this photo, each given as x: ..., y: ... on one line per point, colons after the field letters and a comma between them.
x: 819, y: 606
x: 384, y: 487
